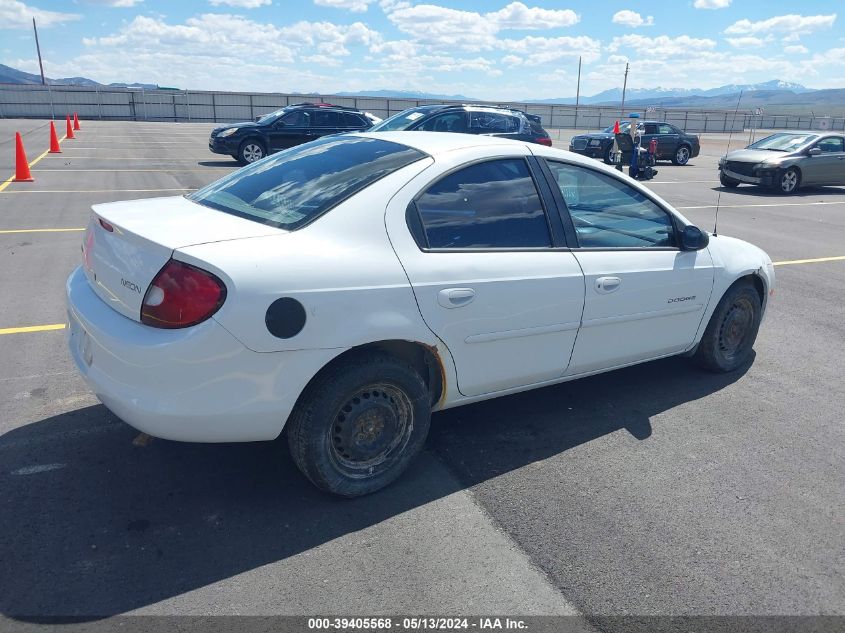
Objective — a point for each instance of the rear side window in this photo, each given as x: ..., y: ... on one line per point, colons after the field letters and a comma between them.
x: 663, y: 128
x: 327, y: 118
x: 494, y: 204
x: 493, y: 123
x: 608, y: 213
x: 294, y: 187
x: 354, y: 120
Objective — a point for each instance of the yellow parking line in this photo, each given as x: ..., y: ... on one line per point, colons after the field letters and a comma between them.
x: 33, y: 328
x: 11, y: 178
x: 817, y: 260
x: 131, y: 170
x: 7, y: 231
x: 778, y: 204
x: 98, y: 190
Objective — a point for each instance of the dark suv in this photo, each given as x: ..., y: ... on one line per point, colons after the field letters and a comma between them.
x: 293, y: 125
x: 672, y: 143
x: 469, y: 119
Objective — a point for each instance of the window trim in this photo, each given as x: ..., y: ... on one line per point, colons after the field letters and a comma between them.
x: 556, y: 244
x: 569, y: 224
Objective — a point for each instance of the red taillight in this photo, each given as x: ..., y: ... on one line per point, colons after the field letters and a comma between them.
x: 108, y: 227
x: 181, y: 295
x: 545, y: 140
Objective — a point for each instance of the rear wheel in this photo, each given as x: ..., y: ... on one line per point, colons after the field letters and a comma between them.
x: 732, y: 330
x: 681, y: 156
x: 789, y: 181
x: 359, y: 424
x: 250, y: 151
x: 727, y: 181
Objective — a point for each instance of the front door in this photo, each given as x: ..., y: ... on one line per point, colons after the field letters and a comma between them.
x: 645, y: 297
x: 489, y: 275
x: 827, y: 168
x: 290, y: 130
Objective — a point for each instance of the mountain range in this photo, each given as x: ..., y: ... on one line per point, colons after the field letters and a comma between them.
x: 784, y: 95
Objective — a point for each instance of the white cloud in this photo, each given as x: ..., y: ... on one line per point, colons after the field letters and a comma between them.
x: 446, y: 28
x: 661, y: 46
x: 796, y: 49
x: 355, y: 6
x: 518, y: 16
x: 241, y: 4
x: 632, y: 19
x: 794, y: 26
x: 17, y: 15
x: 542, y: 50
x: 712, y: 4
x: 745, y: 42
x: 121, y: 4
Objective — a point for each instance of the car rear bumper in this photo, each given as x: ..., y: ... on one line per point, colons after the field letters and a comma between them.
x: 196, y: 384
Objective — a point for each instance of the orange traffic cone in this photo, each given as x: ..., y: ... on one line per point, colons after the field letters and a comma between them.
x: 54, y: 140
x: 616, y: 128
x: 69, y: 128
x: 75, y: 121
x: 21, y: 163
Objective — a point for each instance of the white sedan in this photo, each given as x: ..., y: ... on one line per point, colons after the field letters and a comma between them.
x: 344, y: 289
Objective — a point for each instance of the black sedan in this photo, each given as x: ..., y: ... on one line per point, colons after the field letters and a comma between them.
x: 296, y: 124
x: 469, y: 119
x: 672, y: 143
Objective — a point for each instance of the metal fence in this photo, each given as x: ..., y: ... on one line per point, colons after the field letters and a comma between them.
x: 35, y: 101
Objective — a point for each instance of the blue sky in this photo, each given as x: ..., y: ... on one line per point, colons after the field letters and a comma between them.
x: 489, y: 50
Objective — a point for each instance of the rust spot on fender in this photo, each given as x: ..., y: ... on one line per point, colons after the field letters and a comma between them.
x: 436, y: 353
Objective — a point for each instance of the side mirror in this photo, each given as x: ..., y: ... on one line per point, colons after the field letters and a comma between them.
x: 814, y: 151
x: 693, y: 238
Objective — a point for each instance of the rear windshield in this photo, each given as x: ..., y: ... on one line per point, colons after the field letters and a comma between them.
x: 296, y: 186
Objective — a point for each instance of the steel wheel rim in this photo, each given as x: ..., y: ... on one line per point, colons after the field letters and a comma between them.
x: 683, y: 155
x: 789, y: 180
x: 369, y: 429
x: 252, y: 152
x: 735, y: 328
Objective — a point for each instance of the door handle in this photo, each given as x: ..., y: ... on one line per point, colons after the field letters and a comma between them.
x: 605, y: 285
x: 455, y: 297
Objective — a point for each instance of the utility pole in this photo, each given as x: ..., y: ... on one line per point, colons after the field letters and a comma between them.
x: 38, y: 48
x: 578, y: 92
x: 624, y: 87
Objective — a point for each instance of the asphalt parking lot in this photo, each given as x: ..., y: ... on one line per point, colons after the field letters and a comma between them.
x: 654, y: 490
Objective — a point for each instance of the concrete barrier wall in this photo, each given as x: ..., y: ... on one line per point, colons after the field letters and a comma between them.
x: 34, y: 101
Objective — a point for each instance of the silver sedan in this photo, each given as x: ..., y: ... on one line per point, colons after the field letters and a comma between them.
x: 787, y: 161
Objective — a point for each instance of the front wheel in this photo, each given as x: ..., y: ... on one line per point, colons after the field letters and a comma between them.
x: 732, y: 330
x: 251, y: 151
x: 359, y: 424
x: 789, y: 181
x: 727, y: 181
x: 681, y: 156
x: 608, y: 155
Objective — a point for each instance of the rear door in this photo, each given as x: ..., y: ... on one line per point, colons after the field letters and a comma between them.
x: 290, y: 130
x: 489, y: 272
x: 645, y: 297
x: 325, y: 121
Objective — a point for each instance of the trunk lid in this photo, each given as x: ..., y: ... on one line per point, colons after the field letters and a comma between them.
x: 120, y: 263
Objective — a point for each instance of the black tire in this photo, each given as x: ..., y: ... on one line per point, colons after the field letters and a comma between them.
x: 727, y: 181
x: 788, y: 181
x: 608, y: 155
x: 359, y: 424
x: 732, y: 330
x: 682, y: 155
x: 250, y: 151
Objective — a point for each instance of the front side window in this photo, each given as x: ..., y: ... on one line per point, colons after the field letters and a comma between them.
x: 609, y: 213
x: 299, y: 118
x: 494, y: 204
x: 293, y: 187
x: 832, y: 144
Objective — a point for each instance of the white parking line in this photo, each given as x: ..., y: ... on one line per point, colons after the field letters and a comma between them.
x: 779, y: 204
x: 41, y: 468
